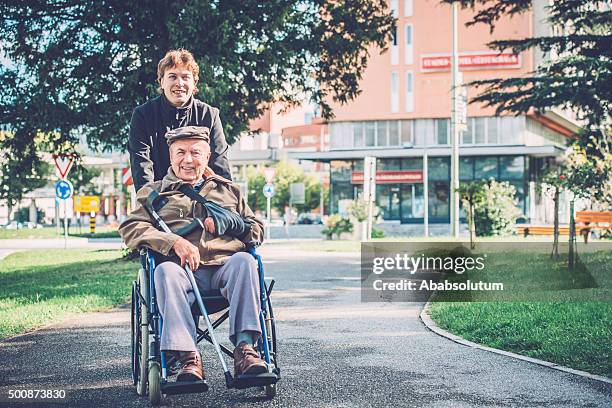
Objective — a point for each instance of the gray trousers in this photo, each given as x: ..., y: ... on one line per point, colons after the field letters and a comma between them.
x: 238, y: 281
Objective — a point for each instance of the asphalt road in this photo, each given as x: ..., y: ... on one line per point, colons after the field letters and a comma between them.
x: 334, y: 352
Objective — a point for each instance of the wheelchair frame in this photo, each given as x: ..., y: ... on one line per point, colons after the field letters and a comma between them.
x: 150, y: 375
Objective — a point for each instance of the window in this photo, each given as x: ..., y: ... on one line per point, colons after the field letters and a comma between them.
x: 408, y: 52
x: 406, y: 133
x: 341, y: 134
x: 370, y: 133
x: 394, y: 133
x: 387, y: 164
x: 511, y: 168
x: 423, y: 132
x: 492, y: 130
x: 381, y: 133
x: 485, y: 168
x: 394, y: 92
x: 394, y: 48
x: 409, y: 92
x: 412, y: 163
x: 466, y: 168
x: 479, y: 131
x: 466, y: 137
x: 407, y: 8
x: 358, y: 134
x: 442, y: 126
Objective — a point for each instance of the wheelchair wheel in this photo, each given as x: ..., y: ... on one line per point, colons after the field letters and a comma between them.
x: 154, y: 384
x: 141, y: 335
x: 270, y: 391
x: 135, y: 331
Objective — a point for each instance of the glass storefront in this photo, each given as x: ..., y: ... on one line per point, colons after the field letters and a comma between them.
x: 403, y: 201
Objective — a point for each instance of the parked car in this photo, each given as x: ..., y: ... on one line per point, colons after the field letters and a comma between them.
x: 309, y: 218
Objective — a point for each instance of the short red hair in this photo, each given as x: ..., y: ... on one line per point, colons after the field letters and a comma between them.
x: 174, y: 58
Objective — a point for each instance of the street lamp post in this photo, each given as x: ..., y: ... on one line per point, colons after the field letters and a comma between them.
x: 454, y: 185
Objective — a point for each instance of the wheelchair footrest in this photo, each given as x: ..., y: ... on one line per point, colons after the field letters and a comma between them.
x: 183, y: 387
x: 257, y: 380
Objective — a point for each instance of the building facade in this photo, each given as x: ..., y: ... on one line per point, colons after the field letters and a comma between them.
x: 403, y: 116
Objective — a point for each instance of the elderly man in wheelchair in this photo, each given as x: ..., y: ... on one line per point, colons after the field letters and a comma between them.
x: 209, y: 225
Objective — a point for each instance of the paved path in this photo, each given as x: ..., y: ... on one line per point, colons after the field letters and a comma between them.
x: 335, y: 352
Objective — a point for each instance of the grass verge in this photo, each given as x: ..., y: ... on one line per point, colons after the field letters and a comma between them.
x: 575, y: 332
x: 51, y: 233
x: 38, y: 287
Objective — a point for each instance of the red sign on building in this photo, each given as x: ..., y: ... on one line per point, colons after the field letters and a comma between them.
x: 390, y: 176
x: 471, y: 61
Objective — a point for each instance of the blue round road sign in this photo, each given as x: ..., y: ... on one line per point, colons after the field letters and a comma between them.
x: 63, y: 189
x: 268, y: 190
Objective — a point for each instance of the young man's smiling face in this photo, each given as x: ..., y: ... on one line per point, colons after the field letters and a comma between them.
x: 178, y: 85
x: 189, y: 158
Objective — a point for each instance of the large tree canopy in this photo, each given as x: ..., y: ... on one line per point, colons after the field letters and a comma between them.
x: 78, y: 68
x: 577, y: 72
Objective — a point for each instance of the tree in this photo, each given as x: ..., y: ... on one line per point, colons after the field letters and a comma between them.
x: 472, y: 194
x: 576, y: 76
x: 497, y: 210
x: 82, y: 67
x: 552, y: 184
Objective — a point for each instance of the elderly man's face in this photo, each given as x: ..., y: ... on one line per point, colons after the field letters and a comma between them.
x: 178, y: 84
x: 189, y: 158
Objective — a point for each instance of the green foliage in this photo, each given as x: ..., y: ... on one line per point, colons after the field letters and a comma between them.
x: 576, y: 76
x: 78, y: 69
x: 497, y: 210
x: 336, y: 225
x: 23, y: 215
x: 286, y: 173
x: 21, y: 168
x: 377, y: 233
x: 588, y: 176
x: 82, y: 179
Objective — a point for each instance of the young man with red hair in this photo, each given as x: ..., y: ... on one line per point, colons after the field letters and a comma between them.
x: 177, y: 75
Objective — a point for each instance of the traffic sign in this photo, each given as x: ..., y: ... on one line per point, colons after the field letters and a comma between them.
x: 63, y: 163
x: 268, y: 190
x: 63, y: 189
x: 127, y: 176
x: 269, y: 173
x: 86, y: 204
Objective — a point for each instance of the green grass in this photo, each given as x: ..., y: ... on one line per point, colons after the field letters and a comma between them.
x: 574, y: 332
x: 51, y: 233
x: 39, y: 287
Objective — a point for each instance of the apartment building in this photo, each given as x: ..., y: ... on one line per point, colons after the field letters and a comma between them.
x: 404, y: 114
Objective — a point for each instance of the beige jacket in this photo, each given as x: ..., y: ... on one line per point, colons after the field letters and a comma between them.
x: 138, y: 230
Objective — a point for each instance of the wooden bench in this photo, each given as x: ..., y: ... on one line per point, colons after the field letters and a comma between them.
x: 526, y: 230
x: 586, y: 221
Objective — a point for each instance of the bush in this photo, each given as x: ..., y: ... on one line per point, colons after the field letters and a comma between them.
x: 377, y: 233
x: 498, y: 213
x: 336, y: 225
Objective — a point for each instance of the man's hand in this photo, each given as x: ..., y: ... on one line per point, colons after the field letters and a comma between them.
x: 209, y: 224
x: 187, y: 252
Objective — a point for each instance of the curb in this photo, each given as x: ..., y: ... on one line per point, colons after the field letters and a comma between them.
x: 431, y: 325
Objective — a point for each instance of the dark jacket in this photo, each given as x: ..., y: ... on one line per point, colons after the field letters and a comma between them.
x: 149, y: 153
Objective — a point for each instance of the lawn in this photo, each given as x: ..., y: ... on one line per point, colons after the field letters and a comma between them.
x: 38, y: 287
x: 51, y: 233
x: 569, y: 329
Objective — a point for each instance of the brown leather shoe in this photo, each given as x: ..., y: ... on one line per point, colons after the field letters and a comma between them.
x: 247, y: 361
x: 191, y: 367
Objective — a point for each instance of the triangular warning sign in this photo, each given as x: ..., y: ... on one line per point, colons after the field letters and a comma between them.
x: 63, y: 163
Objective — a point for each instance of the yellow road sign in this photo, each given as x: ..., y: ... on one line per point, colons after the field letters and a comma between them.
x: 86, y: 203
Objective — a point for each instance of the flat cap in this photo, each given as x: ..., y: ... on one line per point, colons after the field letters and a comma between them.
x: 188, y: 132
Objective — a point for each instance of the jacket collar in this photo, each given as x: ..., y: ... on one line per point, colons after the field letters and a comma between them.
x: 172, y: 182
x: 171, y: 112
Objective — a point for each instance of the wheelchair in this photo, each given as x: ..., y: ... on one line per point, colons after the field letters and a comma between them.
x: 149, y: 371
